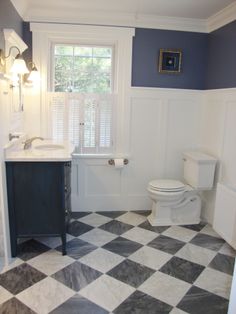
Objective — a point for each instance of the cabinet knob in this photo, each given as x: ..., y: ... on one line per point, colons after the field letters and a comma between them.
x: 66, y: 189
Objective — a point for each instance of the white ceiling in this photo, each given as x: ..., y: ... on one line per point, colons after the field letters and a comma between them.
x: 122, y: 10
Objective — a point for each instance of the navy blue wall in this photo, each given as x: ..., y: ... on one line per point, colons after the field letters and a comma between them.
x: 27, y: 37
x: 209, y: 60
x: 146, y: 45
x: 221, y: 72
x: 9, y: 18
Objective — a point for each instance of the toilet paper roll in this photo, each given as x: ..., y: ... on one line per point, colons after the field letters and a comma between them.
x: 119, y: 163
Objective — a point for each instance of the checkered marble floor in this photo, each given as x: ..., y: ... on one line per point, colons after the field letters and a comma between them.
x: 118, y: 263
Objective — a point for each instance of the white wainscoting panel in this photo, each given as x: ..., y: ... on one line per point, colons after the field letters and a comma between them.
x: 163, y: 124
x: 218, y: 129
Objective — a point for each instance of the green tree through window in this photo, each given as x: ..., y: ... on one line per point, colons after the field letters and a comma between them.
x: 82, y: 69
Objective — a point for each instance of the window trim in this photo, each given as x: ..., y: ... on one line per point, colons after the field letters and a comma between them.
x: 44, y: 34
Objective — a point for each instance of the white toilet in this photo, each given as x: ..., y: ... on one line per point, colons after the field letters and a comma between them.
x: 178, y: 203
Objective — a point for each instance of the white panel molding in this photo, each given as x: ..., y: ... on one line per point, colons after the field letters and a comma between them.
x: 218, y: 107
x: 222, y: 18
x: 150, y: 111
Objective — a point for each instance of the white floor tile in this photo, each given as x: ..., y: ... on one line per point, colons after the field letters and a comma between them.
x: 215, y: 281
x: 132, y: 219
x: 95, y: 220
x: 50, y: 262
x: 102, y: 260
x: 150, y: 257
x: 107, y: 292
x: 209, y: 231
x: 228, y: 250
x: 165, y: 288
x: 180, y: 233
x: 140, y: 235
x: 4, y: 295
x: 196, y: 254
x: 98, y: 237
x: 45, y: 295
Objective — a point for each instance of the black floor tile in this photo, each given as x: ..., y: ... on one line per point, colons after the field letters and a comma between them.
x: 77, y: 248
x: 207, y: 241
x: 158, y: 229
x: 14, y: 306
x: 116, y: 227
x: 141, y: 303
x: 30, y: 249
x: 166, y: 244
x: 79, y: 305
x: 76, y: 276
x: 197, y: 227
x: 223, y: 263
x: 182, y: 269
x: 122, y: 246
x: 199, y: 301
x: 77, y: 228
x: 20, y: 278
x: 142, y: 212
x: 77, y: 215
x: 132, y: 273
x: 112, y: 214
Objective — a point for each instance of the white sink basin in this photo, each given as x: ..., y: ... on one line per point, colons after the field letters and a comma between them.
x: 49, y: 147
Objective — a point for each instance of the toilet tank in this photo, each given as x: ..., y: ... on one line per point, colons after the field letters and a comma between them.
x: 199, y: 170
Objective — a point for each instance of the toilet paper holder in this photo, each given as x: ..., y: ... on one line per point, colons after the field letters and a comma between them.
x: 111, y: 162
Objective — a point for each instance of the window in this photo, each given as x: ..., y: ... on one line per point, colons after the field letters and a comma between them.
x: 82, y: 99
x: 83, y: 69
x: 86, y: 114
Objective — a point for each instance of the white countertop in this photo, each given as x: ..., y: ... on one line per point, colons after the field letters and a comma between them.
x: 16, y: 151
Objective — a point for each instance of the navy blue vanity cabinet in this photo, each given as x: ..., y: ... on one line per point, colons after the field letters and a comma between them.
x: 39, y: 200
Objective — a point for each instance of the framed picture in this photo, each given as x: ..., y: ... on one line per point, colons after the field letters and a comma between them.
x: 170, y: 60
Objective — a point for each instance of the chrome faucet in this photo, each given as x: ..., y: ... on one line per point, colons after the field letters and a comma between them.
x: 28, y: 143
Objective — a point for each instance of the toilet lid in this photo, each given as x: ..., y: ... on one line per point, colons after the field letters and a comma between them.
x: 167, y: 185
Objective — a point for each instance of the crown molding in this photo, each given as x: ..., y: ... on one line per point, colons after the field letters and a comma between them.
x: 70, y: 15
x: 20, y: 6
x: 222, y: 18
x: 118, y: 19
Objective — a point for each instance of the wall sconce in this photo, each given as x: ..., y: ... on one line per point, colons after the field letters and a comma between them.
x: 19, y: 65
x: 33, y: 77
x: 18, y: 70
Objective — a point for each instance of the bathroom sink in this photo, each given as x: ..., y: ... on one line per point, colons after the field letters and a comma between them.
x: 49, y: 147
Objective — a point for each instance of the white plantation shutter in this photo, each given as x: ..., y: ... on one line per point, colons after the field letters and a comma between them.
x: 58, y: 115
x: 89, y: 134
x: 105, y: 123
x: 83, y: 119
x: 74, y: 107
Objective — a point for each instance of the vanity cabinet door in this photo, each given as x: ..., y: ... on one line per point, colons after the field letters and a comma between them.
x: 38, y: 198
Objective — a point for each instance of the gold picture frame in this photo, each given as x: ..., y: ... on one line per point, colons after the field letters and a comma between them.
x: 170, y: 61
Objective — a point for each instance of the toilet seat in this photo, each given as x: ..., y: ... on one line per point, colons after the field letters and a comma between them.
x: 167, y: 186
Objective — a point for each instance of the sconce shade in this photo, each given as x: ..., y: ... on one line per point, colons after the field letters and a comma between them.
x: 19, y: 66
x: 34, y: 75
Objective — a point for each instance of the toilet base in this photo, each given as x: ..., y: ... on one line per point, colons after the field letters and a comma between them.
x: 185, y: 213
